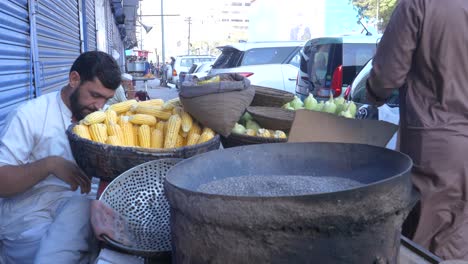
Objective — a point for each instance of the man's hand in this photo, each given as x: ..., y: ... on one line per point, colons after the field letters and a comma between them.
x: 69, y: 172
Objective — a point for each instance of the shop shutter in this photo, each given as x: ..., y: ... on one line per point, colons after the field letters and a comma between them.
x: 58, y: 39
x: 91, y: 25
x: 15, y: 57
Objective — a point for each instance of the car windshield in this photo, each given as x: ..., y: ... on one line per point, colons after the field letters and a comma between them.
x: 274, y: 55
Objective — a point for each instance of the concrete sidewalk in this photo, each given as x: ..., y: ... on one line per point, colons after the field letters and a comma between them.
x: 155, y: 91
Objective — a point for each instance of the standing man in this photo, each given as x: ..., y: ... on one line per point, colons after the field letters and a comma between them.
x: 424, y: 49
x: 44, y: 214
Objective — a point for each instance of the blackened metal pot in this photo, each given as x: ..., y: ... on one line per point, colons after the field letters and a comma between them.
x: 357, y: 225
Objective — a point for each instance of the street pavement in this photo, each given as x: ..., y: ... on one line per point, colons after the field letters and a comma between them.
x: 156, y: 91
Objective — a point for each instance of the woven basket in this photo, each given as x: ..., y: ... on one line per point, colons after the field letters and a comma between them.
x: 265, y: 96
x: 235, y: 140
x: 107, y: 162
x: 272, y: 117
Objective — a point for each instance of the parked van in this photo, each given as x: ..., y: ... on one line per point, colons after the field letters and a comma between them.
x: 183, y: 64
x: 329, y: 64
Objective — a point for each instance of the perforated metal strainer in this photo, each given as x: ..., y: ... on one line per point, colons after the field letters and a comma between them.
x: 138, y: 196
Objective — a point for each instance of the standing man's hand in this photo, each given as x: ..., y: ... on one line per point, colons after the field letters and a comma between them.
x: 69, y: 172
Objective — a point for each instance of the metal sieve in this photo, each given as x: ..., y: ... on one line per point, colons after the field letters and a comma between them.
x: 138, y: 196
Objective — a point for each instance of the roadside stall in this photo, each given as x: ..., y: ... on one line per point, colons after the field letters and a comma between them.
x: 137, y: 66
x: 326, y: 191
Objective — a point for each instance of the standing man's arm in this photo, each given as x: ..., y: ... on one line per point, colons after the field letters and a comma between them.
x: 394, y: 56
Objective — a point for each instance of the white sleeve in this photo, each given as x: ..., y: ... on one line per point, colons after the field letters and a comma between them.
x: 16, y: 140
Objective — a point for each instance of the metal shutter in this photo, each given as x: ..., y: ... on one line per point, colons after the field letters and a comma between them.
x: 91, y: 25
x: 58, y: 37
x: 15, y: 56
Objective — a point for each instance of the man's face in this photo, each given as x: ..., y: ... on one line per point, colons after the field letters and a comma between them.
x: 90, y: 96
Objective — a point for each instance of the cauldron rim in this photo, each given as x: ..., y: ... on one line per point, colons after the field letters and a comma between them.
x: 325, y: 195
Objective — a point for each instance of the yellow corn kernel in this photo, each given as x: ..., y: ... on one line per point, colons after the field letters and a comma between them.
x: 155, y: 111
x: 272, y: 133
x: 262, y: 132
x: 127, y: 130
x: 122, y: 107
x: 94, y: 118
x: 192, y: 139
x: 136, y: 141
x: 250, y: 132
x: 111, y: 117
x: 98, y: 132
x: 173, y: 127
x: 144, y: 134
x: 157, y: 139
x: 115, y: 130
x: 208, y: 130
x: 152, y: 102
x: 143, y: 119
x: 113, y: 140
x: 82, y: 131
x: 187, y: 121
x: 204, y: 137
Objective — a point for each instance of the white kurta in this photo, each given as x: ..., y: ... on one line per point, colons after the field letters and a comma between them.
x: 34, y: 131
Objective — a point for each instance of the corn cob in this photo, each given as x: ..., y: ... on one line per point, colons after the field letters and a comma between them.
x: 157, y: 139
x: 155, y: 111
x: 122, y: 107
x: 280, y: 134
x: 82, y: 131
x: 208, y: 130
x: 128, y: 113
x: 250, y: 132
x: 204, y: 137
x: 177, y: 110
x: 94, y: 118
x: 153, y: 102
x: 136, y: 141
x: 187, y: 121
x: 111, y: 117
x: 170, y: 104
x: 144, y: 134
x: 98, y: 132
x: 160, y: 125
x: 115, y: 130
x: 180, y: 141
x: 113, y: 140
x: 192, y: 139
x: 122, y: 119
x: 195, y: 129
x: 127, y: 130
x: 262, y: 132
x: 143, y: 119
x: 173, y: 127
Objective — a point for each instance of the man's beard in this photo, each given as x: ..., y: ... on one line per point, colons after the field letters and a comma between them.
x: 77, y: 109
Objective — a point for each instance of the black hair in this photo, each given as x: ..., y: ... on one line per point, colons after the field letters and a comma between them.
x: 98, y: 64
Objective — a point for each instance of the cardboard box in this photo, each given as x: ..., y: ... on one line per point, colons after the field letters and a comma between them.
x: 312, y: 126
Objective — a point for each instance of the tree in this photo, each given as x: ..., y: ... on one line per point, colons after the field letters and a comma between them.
x: 380, y: 10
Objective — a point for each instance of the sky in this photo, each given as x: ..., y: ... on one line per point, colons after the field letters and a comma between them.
x: 269, y: 20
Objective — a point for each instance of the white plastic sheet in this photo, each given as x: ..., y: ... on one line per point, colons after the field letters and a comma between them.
x: 392, y: 115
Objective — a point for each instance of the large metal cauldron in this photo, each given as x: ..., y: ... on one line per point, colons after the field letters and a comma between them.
x: 356, y: 225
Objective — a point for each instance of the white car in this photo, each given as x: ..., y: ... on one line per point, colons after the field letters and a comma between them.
x: 183, y: 64
x: 270, y: 64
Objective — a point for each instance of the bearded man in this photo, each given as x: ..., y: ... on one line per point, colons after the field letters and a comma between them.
x: 44, y: 210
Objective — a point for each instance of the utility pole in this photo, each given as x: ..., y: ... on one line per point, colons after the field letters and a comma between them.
x: 141, y: 33
x: 162, y: 37
x: 189, y: 21
x: 378, y: 10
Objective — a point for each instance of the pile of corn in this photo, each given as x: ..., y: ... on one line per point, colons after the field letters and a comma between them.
x: 147, y: 124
